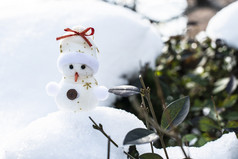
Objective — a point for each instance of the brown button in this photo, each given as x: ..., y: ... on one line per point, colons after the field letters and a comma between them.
x: 72, y: 94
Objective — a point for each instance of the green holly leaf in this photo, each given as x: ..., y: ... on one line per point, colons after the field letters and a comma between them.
x: 175, y: 113
x: 150, y: 156
x: 140, y: 136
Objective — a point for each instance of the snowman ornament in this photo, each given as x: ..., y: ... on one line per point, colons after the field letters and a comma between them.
x: 78, y: 90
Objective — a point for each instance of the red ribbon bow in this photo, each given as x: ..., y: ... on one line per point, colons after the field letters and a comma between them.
x: 83, y: 34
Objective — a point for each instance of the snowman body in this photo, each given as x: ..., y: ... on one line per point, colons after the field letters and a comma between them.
x: 78, y: 90
x: 77, y: 96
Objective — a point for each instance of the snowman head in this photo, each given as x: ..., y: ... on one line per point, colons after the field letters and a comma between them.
x: 78, y: 53
x: 77, y: 70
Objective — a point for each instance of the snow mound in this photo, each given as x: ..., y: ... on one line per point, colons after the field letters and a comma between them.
x: 224, y: 25
x: 29, y: 51
x: 161, y: 10
x: 168, y: 29
x: 70, y: 135
x: 223, y: 148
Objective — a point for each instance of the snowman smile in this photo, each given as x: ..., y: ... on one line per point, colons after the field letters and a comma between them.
x: 76, y: 76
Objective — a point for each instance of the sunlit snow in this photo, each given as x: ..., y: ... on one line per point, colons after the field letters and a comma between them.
x: 161, y: 10
x: 29, y: 51
x: 224, y: 25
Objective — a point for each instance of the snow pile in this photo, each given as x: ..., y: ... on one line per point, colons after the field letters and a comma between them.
x: 161, y: 10
x: 28, y: 50
x: 223, y: 148
x: 64, y: 135
x: 70, y: 135
x: 224, y: 25
x: 168, y: 29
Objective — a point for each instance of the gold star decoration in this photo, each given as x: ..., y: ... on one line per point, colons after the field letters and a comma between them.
x: 87, y: 85
x: 61, y: 49
x: 98, y: 50
x: 96, y: 82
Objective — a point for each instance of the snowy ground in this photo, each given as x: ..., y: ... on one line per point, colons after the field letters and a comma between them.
x: 223, y: 148
x: 69, y: 135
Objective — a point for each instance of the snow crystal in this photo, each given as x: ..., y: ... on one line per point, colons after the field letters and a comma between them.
x: 69, y: 135
x: 224, y: 25
x: 223, y: 148
x: 29, y: 50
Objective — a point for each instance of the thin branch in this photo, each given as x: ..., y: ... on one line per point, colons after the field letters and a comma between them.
x: 217, y: 115
x: 108, y: 149
x: 100, y: 128
x: 144, y: 114
x: 145, y: 92
x: 160, y: 92
x: 179, y: 140
x: 161, y: 97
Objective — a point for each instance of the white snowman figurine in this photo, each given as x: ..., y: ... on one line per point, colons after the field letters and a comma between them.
x: 78, y: 90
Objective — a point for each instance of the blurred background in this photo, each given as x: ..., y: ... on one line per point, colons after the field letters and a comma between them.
x: 199, y: 59
x: 188, y: 47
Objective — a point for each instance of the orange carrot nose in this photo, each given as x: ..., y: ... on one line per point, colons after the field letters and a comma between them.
x: 76, y: 76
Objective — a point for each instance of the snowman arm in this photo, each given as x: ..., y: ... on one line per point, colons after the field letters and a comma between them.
x: 52, y: 88
x: 101, y: 92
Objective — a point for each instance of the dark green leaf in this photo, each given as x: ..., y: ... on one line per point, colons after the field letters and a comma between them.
x: 140, y: 136
x: 175, y: 113
x: 124, y: 90
x: 232, y: 115
x: 206, y: 124
x: 230, y: 101
x: 231, y: 130
x: 201, y: 141
x: 150, y: 156
x: 232, y: 124
x: 232, y: 84
x: 189, y: 137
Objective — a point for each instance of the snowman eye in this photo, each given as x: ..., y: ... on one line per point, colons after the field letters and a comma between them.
x: 83, y: 67
x: 71, y: 67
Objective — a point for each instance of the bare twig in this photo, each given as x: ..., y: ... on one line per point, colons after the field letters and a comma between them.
x: 160, y: 92
x: 217, y: 115
x: 100, y: 128
x: 145, y: 92
x: 144, y: 114
x: 108, y: 149
x: 179, y: 140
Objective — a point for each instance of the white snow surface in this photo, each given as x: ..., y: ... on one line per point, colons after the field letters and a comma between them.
x: 223, y: 148
x: 161, y: 10
x: 70, y: 135
x: 29, y: 51
x: 224, y: 25
x: 168, y: 29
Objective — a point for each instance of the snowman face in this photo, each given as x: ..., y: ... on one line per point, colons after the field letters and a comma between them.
x: 81, y: 70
